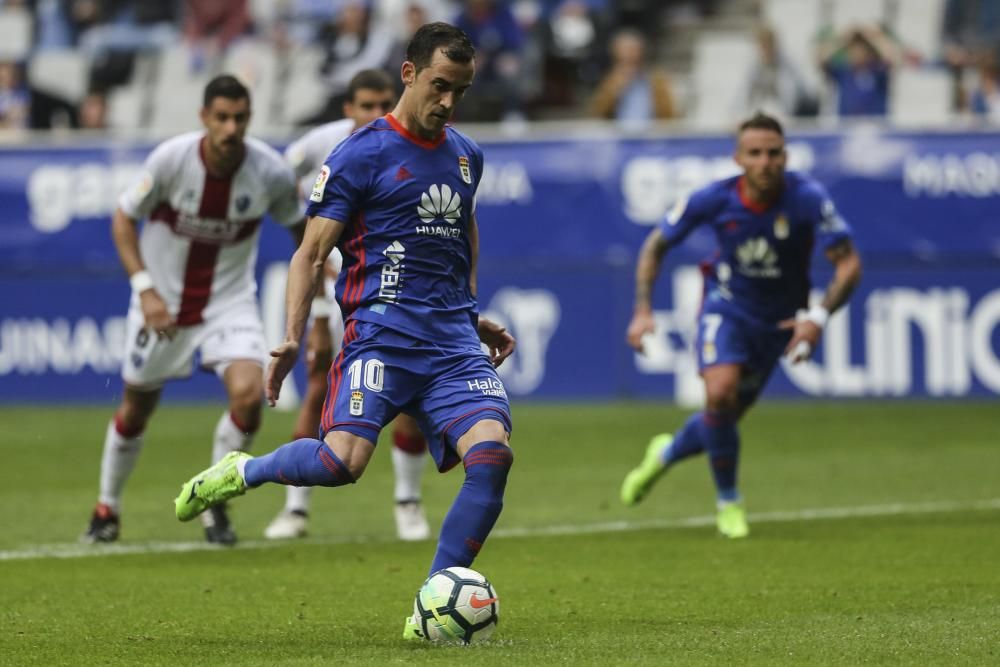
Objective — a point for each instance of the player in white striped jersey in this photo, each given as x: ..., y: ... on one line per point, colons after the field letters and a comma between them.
x: 203, y: 196
x: 369, y: 96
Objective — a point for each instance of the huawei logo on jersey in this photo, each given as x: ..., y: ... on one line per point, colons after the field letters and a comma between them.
x: 440, y: 203
x: 757, y: 259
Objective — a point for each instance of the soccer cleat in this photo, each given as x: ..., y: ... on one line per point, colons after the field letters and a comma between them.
x: 641, y: 479
x: 411, y: 522
x: 411, y: 629
x: 288, y: 525
x: 211, y: 487
x: 218, y: 530
x: 732, y: 521
x: 104, y: 526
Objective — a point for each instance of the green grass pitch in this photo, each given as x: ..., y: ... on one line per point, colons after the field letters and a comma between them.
x: 876, y: 541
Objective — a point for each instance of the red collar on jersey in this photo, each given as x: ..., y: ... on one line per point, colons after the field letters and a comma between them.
x: 423, y: 143
x: 756, y: 207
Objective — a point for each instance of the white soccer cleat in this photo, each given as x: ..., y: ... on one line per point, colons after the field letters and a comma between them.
x: 288, y: 525
x: 411, y: 522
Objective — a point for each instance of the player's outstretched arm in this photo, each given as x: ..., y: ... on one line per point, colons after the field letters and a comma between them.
x: 808, y: 327
x: 305, y: 272
x: 651, y: 255
x: 124, y: 232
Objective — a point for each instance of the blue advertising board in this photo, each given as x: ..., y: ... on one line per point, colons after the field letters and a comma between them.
x: 561, y: 221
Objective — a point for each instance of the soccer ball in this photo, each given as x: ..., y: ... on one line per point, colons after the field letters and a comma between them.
x: 457, y: 604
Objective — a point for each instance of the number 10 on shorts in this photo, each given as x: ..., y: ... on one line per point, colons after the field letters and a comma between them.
x: 373, y: 373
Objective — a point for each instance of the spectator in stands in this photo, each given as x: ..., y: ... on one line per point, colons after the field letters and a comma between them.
x: 210, y: 26
x: 15, y: 100
x: 300, y: 21
x: 52, y: 26
x: 129, y: 25
x: 119, y: 30
x: 774, y: 84
x: 573, y: 39
x: 403, y: 25
x: 971, y: 29
x: 859, y: 63
x: 353, y: 42
x: 632, y: 92
x: 985, y: 98
x: 498, y: 39
x: 93, y: 111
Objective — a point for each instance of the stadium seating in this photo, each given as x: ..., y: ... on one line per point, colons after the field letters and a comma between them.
x: 920, y: 97
x: 917, y: 24
x: 62, y: 73
x: 845, y: 14
x: 15, y: 33
x: 718, y: 72
x: 796, y: 23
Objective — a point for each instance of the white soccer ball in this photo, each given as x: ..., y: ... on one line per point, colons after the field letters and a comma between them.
x: 457, y: 604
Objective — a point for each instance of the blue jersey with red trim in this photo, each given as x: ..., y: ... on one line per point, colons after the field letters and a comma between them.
x: 761, y: 270
x: 406, y: 204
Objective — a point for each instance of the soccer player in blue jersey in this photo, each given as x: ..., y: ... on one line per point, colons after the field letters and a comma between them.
x: 766, y: 223
x: 398, y: 198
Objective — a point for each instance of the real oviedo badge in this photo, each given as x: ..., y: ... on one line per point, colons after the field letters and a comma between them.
x: 463, y: 167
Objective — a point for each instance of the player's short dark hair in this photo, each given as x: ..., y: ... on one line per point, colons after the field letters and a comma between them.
x: 225, y: 85
x: 761, y: 121
x: 433, y: 36
x: 368, y: 79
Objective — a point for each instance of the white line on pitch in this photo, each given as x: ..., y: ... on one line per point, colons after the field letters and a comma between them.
x: 75, y: 550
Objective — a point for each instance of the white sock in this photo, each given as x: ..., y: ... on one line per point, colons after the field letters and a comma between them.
x: 120, y: 455
x: 228, y: 438
x: 297, y: 498
x: 409, y: 469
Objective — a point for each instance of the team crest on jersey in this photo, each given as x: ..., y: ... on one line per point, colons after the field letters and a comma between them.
x: 463, y: 167
x: 357, y: 403
x: 781, y: 227
x: 242, y: 203
x: 319, y: 187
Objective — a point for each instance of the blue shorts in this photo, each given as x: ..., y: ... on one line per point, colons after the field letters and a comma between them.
x: 724, y: 338
x: 381, y: 372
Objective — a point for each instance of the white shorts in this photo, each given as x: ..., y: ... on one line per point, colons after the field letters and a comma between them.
x: 150, y: 360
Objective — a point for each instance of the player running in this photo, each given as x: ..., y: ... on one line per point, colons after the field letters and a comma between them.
x: 766, y: 223
x: 191, y: 269
x: 399, y: 197
x: 370, y: 94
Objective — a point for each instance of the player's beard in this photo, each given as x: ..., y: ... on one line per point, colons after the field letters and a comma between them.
x: 229, y: 150
x: 768, y: 185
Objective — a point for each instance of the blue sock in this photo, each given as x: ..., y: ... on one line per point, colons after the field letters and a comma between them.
x: 303, y: 462
x: 476, y: 507
x: 686, y: 443
x: 722, y: 441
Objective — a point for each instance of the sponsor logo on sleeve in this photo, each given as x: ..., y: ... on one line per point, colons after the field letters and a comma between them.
x: 319, y: 187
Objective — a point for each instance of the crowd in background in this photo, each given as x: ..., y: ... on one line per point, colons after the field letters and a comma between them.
x: 535, y: 58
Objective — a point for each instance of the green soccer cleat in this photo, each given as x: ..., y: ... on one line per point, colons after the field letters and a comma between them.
x: 411, y: 630
x: 211, y: 487
x: 641, y: 479
x: 732, y: 521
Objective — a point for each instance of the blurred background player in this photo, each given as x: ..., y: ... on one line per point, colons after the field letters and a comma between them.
x: 399, y: 196
x: 191, y: 269
x: 370, y: 95
x: 766, y: 223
